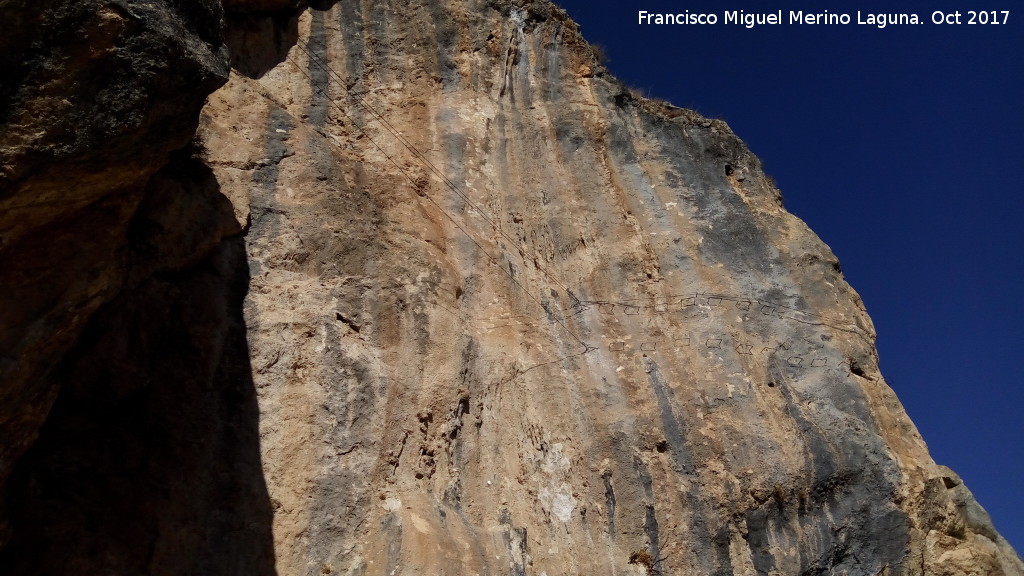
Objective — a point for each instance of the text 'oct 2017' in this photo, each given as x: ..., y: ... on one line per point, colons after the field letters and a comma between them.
x: 824, y: 18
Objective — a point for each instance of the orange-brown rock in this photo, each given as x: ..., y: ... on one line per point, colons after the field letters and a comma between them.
x: 492, y: 314
x: 507, y: 317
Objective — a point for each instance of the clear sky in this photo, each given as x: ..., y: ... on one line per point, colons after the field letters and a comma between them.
x: 903, y: 149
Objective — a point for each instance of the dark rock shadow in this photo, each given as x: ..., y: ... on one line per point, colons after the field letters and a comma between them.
x: 149, y: 462
x: 260, y: 40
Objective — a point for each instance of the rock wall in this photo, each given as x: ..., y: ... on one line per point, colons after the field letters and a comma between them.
x: 95, y: 96
x: 431, y: 293
x: 506, y: 317
x: 122, y: 278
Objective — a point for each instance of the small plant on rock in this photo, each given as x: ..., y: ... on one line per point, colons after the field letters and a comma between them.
x: 957, y: 530
x: 643, y: 558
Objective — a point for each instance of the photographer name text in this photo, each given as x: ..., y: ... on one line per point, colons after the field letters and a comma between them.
x: 825, y: 18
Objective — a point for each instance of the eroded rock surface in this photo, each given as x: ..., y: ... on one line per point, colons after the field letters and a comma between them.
x: 507, y: 318
x: 429, y: 293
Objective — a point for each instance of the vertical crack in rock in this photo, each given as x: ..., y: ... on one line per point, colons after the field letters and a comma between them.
x: 609, y: 496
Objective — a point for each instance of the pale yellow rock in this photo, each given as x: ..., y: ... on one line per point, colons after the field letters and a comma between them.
x: 507, y: 317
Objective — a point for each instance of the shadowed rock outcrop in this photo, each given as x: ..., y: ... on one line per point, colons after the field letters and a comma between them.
x: 95, y: 95
x: 150, y: 466
x: 123, y: 278
x: 149, y: 461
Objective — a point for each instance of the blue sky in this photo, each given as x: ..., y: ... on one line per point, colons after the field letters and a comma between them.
x: 903, y: 149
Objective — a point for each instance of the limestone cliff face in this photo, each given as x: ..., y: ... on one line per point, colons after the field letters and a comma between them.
x: 492, y: 314
x: 505, y: 317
